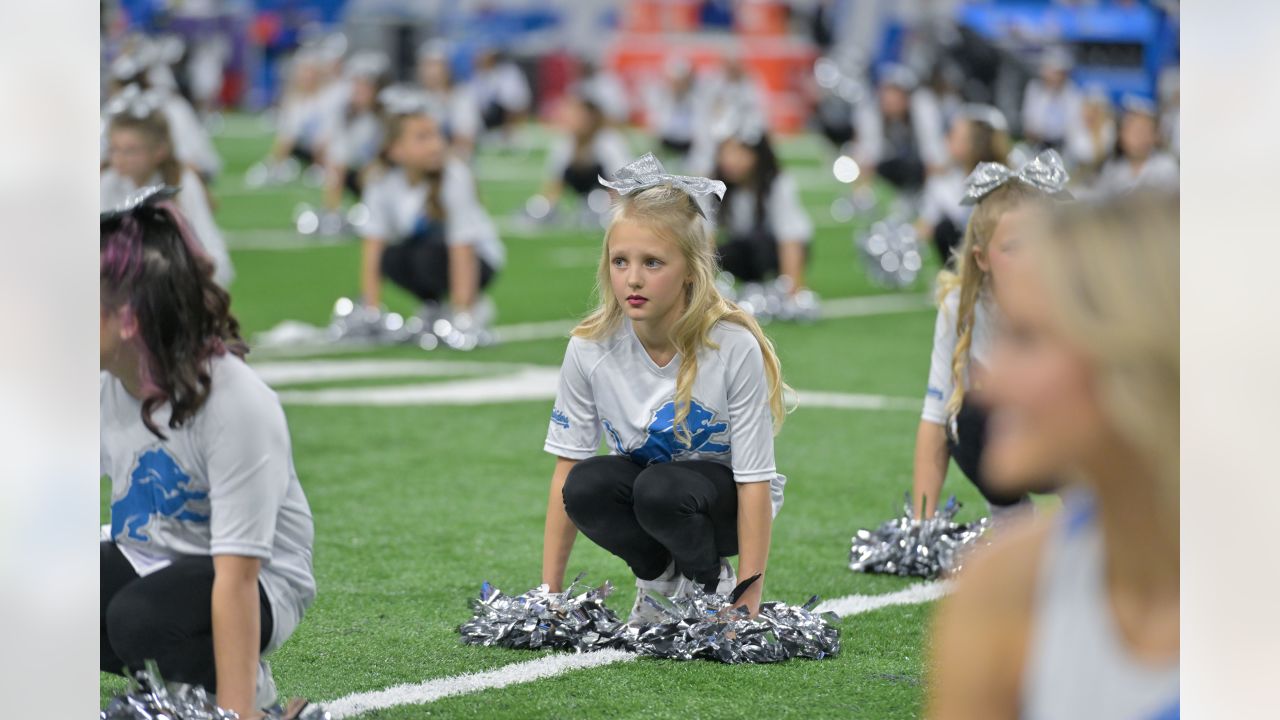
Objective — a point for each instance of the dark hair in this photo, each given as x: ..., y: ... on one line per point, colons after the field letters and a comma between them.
x: 763, y: 173
x: 986, y: 144
x: 155, y: 126
x: 150, y: 262
x: 597, y: 122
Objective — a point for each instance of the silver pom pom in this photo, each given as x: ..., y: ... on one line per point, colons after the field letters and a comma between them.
x: 574, y: 619
x: 918, y: 548
x: 149, y: 698
x: 890, y: 252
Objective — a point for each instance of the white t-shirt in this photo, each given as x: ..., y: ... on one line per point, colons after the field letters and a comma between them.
x: 944, y: 347
x: 115, y: 189
x: 504, y: 85
x: 191, y: 142
x: 607, y: 89
x: 457, y: 111
x: 785, y: 216
x: 223, y: 484
x: 613, y: 389
x: 307, y: 120
x: 1159, y: 172
x: 396, y: 208
x: 1049, y: 114
x: 609, y: 148
x: 941, y: 198
x: 355, y: 144
x: 926, y: 126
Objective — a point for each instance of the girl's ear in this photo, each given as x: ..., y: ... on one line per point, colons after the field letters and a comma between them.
x: 128, y: 320
x: 980, y: 257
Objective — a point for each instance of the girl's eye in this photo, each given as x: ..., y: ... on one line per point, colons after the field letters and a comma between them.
x: 619, y: 262
x: 652, y: 263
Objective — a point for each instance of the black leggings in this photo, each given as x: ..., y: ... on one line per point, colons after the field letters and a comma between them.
x: 752, y: 257
x: 946, y: 240
x: 166, y: 616
x: 583, y: 179
x: 967, y: 449
x: 420, y: 265
x: 684, y: 510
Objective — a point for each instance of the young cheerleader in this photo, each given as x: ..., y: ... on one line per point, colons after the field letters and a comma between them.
x: 768, y: 229
x: 1139, y: 161
x: 455, y: 105
x: 899, y: 136
x: 953, y: 425
x: 356, y: 137
x: 191, y: 142
x: 588, y: 150
x: 502, y: 92
x: 427, y: 231
x: 1075, y: 615
x: 1051, y: 103
x: 140, y: 154
x: 689, y: 394
x: 208, y: 567
x: 978, y: 134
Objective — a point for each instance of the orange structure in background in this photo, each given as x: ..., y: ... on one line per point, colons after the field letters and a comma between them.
x: 653, y: 32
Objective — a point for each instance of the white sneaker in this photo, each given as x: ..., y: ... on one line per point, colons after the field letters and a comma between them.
x: 728, y: 578
x: 667, y: 585
x: 267, y: 695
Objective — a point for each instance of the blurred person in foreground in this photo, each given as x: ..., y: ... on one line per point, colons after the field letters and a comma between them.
x: 1076, y: 615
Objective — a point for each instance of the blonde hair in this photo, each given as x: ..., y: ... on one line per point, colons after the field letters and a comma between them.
x: 970, y: 279
x: 1110, y: 271
x: 673, y: 215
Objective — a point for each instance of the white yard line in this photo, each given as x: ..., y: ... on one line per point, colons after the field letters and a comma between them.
x: 432, y: 690
x: 549, y: 666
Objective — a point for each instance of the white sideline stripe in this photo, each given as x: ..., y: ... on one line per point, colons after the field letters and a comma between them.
x: 855, y: 401
x: 313, y: 371
x: 552, y: 665
x: 530, y: 383
x: 858, y: 604
x: 432, y: 690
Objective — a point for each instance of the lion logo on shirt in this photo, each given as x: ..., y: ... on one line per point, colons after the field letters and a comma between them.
x: 661, y: 444
x: 157, y: 487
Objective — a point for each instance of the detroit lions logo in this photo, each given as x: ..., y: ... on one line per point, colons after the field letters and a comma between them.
x: 661, y: 445
x: 558, y: 417
x: 157, y: 487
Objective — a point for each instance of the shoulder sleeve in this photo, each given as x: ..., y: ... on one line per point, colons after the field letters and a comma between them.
x: 248, y: 459
x: 464, y: 115
x: 466, y: 217
x: 790, y: 221
x: 750, y: 419
x: 378, y: 225
x: 944, y: 345
x: 574, y: 430
x: 558, y: 156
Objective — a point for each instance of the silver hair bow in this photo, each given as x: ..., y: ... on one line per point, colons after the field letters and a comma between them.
x: 646, y: 171
x: 135, y: 102
x: 1045, y: 172
x: 149, y: 195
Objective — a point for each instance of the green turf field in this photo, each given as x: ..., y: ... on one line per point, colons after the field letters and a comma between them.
x: 415, y: 506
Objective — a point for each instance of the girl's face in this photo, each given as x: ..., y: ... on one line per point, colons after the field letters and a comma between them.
x: 1137, y: 135
x: 1000, y: 255
x: 959, y: 141
x: 648, y: 274
x: 894, y: 102
x: 134, y: 155
x: 117, y: 329
x: 577, y: 117
x: 433, y: 74
x: 1046, y: 418
x: 737, y: 161
x: 420, y: 146
x: 364, y: 93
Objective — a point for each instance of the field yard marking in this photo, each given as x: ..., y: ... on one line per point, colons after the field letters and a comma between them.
x: 313, y: 371
x: 854, y: 401
x: 858, y: 604
x: 530, y: 383
x: 432, y: 690
x: 552, y: 665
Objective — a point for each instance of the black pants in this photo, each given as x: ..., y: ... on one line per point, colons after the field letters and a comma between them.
x: 904, y: 173
x: 967, y: 449
x: 420, y: 265
x: 752, y: 257
x: 684, y: 510
x: 583, y: 178
x: 166, y: 616
x: 676, y: 147
x: 946, y: 240
x: 493, y: 115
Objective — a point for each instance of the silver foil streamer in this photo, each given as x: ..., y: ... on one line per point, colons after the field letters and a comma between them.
x: 150, y: 699
x: 708, y: 626
x: 574, y: 619
x: 701, y: 625
x: 917, y: 548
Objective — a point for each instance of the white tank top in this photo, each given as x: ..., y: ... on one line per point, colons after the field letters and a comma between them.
x: 1077, y: 665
